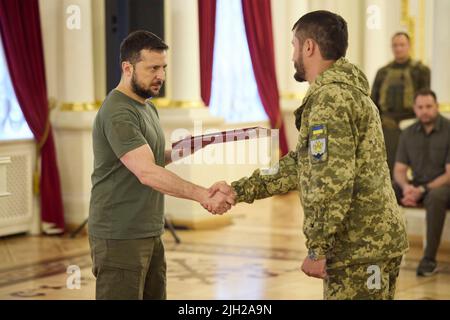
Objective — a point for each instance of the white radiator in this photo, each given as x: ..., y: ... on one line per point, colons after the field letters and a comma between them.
x: 16, y: 204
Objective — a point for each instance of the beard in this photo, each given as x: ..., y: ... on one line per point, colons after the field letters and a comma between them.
x: 426, y: 121
x: 141, y: 90
x: 299, y: 75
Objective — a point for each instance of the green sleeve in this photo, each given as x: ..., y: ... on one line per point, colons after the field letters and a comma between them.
x: 331, y: 181
x: 123, y: 132
x: 259, y: 186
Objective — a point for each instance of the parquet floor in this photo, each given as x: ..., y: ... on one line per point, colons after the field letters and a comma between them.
x: 258, y: 257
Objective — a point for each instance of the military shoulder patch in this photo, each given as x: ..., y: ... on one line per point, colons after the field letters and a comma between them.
x: 318, y: 143
x: 318, y: 129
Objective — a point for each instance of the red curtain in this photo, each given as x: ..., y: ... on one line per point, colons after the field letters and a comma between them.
x: 258, y: 27
x: 207, y: 27
x: 20, y: 28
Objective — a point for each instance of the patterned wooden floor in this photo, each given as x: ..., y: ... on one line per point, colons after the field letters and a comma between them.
x: 258, y: 257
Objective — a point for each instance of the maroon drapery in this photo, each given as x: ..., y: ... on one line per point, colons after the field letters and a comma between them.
x: 207, y: 28
x: 22, y: 41
x: 258, y: 27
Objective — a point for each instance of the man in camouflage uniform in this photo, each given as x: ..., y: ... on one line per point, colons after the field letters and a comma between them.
x: 394, y: 88
x: 354, y: 231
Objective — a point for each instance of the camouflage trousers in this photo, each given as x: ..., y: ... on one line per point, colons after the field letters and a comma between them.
x: 368, y: 281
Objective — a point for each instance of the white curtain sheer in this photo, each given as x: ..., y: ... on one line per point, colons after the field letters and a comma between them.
x: 234, y: 94
x: 12, y: 123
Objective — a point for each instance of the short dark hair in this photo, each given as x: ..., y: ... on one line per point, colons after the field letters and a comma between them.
x: 326, y: 28
x: 131, y: 46
x: 401, y: 33
x: 425, y: 92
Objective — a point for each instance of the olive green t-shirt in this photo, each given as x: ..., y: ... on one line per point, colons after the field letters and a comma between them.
x: 121, y: 207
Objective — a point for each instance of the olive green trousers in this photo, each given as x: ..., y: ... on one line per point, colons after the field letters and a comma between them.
x: 132, y: 269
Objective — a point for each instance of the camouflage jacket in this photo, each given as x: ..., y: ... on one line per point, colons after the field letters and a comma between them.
x: 339, y: 168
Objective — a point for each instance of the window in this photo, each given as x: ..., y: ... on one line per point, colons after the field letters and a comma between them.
x: 12, y: 123
x: 234, y: 93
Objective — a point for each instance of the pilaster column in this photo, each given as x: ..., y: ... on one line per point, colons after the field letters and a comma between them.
x: 185, y: 110
x: 184, y: 53
x: 69, y: 55
x: 382, y: 19
x: 377, y: 37
x: 284, y: 15
x: 440, y: 66
x: 77, y: 74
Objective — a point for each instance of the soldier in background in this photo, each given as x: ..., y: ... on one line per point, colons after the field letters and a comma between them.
x: 354, y: 232
x: 394, y: 88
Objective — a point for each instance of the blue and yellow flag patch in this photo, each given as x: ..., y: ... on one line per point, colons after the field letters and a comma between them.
x: 318, y: 143
x: 316, y: 130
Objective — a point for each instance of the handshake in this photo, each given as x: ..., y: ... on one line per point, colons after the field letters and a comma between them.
x: 219, y: 199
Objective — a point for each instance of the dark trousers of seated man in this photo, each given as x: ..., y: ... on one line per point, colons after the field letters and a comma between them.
x: 436, y: 202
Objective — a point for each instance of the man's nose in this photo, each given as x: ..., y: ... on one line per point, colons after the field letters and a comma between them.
x: 161, y: 75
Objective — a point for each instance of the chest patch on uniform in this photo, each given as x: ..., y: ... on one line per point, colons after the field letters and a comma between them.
x: 318, y: 140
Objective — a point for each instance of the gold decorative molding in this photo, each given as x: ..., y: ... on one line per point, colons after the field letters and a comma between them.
x: 167, y: 103
x: 292, y: 95
x: 52, y: 103
x: 158, y: 102
x: 80, y: 106
x: 422, y: 27
x: 409, y: 21
x: 405, y: 12
x: 161, y: 102
x: 444, y: 107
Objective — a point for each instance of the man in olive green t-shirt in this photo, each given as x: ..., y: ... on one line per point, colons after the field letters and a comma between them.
x: 126, y: 216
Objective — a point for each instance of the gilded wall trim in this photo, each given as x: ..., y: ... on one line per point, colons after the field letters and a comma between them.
x: 158, y: 102
x: 80, y: 106
x: 422, y: 30
x: 292, y: 95
x: 413, y: 23
x: 444, y: 107
x: 409, y: 22
x: 167, y: 103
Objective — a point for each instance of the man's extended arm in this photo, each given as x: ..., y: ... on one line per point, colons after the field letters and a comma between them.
x: 259, y: 186
x: 141, y: 162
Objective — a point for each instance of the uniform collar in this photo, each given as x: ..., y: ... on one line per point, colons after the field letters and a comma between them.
x: 298, y: 115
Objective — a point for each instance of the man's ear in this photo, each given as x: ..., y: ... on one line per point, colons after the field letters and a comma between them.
x: 309, y: 46
x: 127, y: 68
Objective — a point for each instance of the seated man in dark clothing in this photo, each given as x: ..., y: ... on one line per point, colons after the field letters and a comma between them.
x: 425, y: 148
x: 394, y: 88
